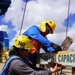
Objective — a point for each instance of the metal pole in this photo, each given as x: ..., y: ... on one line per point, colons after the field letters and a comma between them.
x: 68, y: 18
x: 23, y: 18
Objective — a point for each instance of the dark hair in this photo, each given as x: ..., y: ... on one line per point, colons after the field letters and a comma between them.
x: 13, y: 51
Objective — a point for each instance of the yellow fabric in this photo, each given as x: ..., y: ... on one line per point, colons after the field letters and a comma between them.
x: 6, y: 54
x: 23, y: 42
x: 52, y: 25
x: 42, y: 26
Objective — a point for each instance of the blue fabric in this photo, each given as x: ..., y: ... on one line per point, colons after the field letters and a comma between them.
x: 29, y: 0
x: 4, y: 4
x: 10, y: 59
x: 4, y: 39
x: 34, y: 32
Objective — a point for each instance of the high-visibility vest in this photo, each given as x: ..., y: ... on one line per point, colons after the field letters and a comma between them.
x: 35, y: 47
x: 9, y: 60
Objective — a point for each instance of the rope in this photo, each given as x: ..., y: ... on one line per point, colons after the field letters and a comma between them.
x: 68, y: 17
x: 23, y: 18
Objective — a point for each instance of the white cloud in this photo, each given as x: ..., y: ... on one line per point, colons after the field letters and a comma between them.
x: 55, y: 10
x: 3, y: 28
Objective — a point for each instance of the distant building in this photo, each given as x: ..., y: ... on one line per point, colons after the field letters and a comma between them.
x: 4, y: 40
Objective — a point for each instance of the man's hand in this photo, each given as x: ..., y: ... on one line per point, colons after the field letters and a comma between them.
x: 56, y: 68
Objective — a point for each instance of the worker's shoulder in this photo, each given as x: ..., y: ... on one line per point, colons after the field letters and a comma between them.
x: 34, y: 26
x: 17, y: 62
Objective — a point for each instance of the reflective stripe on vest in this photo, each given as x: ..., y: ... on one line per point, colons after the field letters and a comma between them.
x: 35, y: 46
x: 3, y: 72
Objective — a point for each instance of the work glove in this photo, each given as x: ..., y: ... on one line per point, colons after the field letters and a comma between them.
x: 56, y: 47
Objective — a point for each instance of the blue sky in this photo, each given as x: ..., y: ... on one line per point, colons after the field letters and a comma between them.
x: 71, y: 20
x: 36, y: 11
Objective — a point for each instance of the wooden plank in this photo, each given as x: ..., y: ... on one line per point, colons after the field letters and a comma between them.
x: 66, y: 43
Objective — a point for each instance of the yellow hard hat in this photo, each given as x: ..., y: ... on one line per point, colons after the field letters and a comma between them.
x: 51, y: 24
x: 23, y: 42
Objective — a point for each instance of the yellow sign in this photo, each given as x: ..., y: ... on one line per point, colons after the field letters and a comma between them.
x: 66, y: 58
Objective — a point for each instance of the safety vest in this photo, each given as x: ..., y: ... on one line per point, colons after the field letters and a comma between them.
x: 9, y: 60
x: 36, y: 47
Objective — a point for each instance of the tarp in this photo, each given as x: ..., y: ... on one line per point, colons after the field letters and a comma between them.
x: 29, y: 0
x: 3, y: 35
x: 4, y: 5
x: 4, y: 39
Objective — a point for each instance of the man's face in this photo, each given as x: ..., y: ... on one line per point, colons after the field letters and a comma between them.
x: 48, y: 30
x: 24, y: 53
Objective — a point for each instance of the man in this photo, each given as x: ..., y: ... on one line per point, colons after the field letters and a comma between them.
x: 16, y: 63
x: 37, y: 35
x: 3, y: 54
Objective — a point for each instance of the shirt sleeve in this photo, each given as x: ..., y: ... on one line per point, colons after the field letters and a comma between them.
x: 21, y: 68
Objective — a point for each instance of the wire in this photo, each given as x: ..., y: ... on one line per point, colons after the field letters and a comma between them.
x: 23, y: 18
x: 68, y: 17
